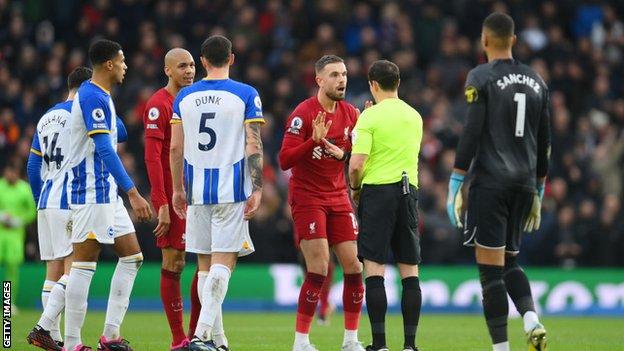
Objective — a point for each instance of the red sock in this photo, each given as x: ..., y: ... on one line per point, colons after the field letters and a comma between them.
x: 324, y: 300
x: 172, y: 302
x: 308, y: 298
x: 352, y: 297
x: 195, y: 306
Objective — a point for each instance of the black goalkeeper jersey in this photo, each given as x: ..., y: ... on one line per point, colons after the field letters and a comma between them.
x: 507, y: 126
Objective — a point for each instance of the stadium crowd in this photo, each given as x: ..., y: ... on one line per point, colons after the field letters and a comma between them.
x: 576, y: 46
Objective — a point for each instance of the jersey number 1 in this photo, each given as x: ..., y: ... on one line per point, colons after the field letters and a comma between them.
x: 203, y: 128
x: 520, y: 98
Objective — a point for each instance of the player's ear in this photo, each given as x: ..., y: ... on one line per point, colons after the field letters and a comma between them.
x: 514, y: 39
x: 231, y: 61
x: 167, y: 71
x: 204, y: 62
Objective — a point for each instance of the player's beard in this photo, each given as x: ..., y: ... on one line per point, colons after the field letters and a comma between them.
x: 335, y: 95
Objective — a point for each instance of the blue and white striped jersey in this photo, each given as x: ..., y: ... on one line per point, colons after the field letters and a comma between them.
x: 214, y: 113
x: 51, y: 142
x: 92, y: 112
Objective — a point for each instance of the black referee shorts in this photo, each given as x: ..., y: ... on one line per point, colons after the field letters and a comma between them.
x: 388, y: 220
x: 495, y: 217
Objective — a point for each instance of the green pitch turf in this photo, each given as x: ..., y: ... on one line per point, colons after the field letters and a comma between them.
x: 273, y: 331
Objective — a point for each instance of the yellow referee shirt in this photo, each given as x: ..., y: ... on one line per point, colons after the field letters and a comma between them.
x: 390, y: 133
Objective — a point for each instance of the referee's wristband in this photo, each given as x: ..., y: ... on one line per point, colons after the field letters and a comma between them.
x: 345, y: 156
x: 352, y: 188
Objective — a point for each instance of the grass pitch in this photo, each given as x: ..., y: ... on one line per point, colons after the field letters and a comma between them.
x: 148, y: 331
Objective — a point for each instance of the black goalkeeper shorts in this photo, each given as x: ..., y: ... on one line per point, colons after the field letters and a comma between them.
x: 495, y: 217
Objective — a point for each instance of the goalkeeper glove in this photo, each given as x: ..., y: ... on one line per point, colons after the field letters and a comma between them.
x: 533, y: 220
x: 454, y: 199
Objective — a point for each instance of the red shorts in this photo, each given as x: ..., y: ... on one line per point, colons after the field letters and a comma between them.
x: 175, y: 237
x: 334, y: 223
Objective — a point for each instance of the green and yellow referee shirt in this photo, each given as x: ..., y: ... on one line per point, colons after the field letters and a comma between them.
x: 390, y: 133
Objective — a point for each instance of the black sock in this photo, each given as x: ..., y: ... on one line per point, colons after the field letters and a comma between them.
x: 377, y: 305
x: 518, y: 286
x: 495, y: 305
x: 411, y: 300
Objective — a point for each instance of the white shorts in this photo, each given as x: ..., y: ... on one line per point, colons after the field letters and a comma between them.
x: 54, y: 231
x: 218, y: 228
x: 102, y: 222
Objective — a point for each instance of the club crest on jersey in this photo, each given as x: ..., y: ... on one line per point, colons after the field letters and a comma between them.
x: 313, y: 228
x: 98, y: 115
x: 153, y: 114
x: 471, y: 94
x: 295, y: 126
x: 353, y: 137
x: 110, y: 232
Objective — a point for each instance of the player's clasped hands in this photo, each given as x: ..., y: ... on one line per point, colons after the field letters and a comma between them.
x: 319, y: 127
x: 333, y: 150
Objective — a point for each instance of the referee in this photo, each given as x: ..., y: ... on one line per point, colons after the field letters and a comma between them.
x: 383, y: 177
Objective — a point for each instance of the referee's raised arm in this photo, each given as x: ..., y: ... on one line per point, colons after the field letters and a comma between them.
x: 383, y: 177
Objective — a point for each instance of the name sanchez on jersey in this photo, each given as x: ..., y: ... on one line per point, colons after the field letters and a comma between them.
x: 517, y: 78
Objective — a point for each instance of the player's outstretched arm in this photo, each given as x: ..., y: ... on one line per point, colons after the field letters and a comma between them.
x: 253, y: 152
x: 113, y: 164
x: 176, y: 160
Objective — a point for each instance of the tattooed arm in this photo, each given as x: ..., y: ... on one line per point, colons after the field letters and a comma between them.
x: 253, y: 152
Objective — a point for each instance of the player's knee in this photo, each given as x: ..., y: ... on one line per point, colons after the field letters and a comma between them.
x: 318, y: 267
x: 178, y: 265
x: 352, y: 267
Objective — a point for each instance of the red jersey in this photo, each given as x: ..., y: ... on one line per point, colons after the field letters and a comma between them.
x: 156, y: 118
x: 317, y: 180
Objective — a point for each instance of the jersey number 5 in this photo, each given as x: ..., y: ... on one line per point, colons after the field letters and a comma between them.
x: 520, y: 98
x: 203, y: 128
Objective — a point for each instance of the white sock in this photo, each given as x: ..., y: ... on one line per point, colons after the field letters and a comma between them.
x: 201, y: 280
x: 45, y: 291
x: 213, y: 294
x: 119, y: 297
x: 76, y: 294
x: 45, y: 295
x: 218, y: 333
x: 51, y: 316
x: 302, y: 339
x: 502, y: 346
x: 530, y: 321
x: 350, y: 336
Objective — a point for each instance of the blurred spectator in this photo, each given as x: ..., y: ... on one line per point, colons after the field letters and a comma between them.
x: 17, y: 210
x: 576, y: 46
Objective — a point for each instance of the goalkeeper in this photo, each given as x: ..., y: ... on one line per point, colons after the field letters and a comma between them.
x: 507, y: 133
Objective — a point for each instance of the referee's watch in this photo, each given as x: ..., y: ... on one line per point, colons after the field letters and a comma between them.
x: 352, y: 188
